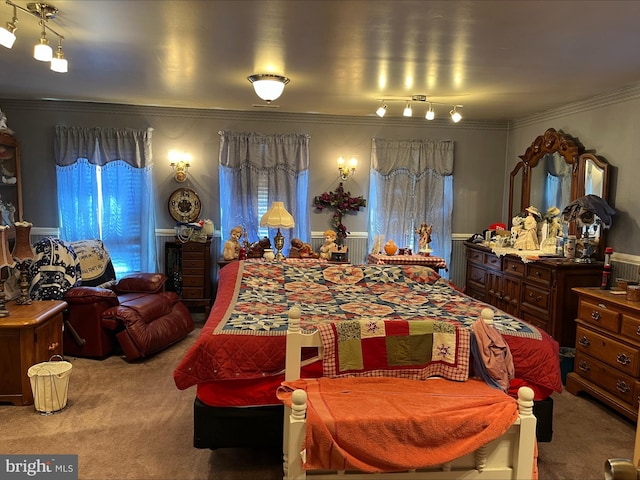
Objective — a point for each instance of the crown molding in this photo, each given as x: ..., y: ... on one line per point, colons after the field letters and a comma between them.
x: 622, y: 95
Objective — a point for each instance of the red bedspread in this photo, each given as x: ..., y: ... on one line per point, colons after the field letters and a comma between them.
x: 244, y: 337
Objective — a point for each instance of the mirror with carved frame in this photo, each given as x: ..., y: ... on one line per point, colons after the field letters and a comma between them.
x: 555, y: 171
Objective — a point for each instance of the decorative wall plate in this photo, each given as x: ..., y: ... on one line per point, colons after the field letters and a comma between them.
x: 184, y: 205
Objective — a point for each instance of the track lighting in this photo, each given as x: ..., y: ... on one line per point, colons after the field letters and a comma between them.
x: 408, y: 109
x: 268, y: 86
x: 455, y: 115
x: 42, y: 51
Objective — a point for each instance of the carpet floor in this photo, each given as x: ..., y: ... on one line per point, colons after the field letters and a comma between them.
x: 129, y: 422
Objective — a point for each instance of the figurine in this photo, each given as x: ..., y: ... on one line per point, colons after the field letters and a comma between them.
x: 528, y: 235
x: 329, y: 244
x: 232, y: 246
x: 300, y: 249
x: 3, y: 123
x: 425, y: 237
x: 256, y: 249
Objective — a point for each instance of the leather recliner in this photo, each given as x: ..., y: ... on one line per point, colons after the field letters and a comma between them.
x: 135, y: 314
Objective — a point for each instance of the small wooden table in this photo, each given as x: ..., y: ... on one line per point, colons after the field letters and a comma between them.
x: 30, y: 334
x: 428, y: 261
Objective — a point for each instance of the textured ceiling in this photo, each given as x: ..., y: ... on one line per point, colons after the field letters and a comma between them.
x: 502, y: 60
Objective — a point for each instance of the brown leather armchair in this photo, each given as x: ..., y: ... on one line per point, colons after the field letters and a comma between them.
x: 135, y: 314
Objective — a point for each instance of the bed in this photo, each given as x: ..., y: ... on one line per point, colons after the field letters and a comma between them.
x: 237, y: 362
x: 395, y: 401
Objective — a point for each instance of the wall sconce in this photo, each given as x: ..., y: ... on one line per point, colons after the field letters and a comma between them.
x: 347, y: 170
x: 180, y: 162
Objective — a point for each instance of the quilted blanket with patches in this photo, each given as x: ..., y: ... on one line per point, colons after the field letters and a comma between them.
x: 244, y: 336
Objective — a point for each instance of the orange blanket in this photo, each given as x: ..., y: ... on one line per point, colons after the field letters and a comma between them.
x: 376, y: 425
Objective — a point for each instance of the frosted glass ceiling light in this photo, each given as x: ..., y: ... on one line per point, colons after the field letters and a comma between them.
x: 455, y: 115
x: 407, y: 110
x: 8, y: 33
x: 382, y: 109
x: 58, y: 62
x: 268, y: 86
x: 430, y: 113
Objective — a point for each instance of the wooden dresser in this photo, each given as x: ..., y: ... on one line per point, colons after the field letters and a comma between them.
x: 538, y: 292
x: 607, y: 363
x: 188, y: 266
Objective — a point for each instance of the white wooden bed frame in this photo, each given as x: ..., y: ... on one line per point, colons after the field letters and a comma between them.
x: 509, y: 457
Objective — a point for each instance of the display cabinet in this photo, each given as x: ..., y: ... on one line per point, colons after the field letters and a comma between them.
x: 10, y: 180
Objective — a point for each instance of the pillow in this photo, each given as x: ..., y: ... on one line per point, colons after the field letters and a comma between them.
x: 54, y: 270
x: 415, y: 349
x: 95, y: 263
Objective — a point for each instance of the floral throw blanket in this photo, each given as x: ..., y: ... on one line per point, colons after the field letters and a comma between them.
x: 329, y: 293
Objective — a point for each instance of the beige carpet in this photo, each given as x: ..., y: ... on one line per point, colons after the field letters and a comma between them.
x: 128, y: 421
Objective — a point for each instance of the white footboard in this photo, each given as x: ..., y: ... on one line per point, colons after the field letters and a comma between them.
x: 509, y: 457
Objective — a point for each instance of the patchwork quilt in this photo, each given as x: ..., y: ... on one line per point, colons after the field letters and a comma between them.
x: 244, y: 336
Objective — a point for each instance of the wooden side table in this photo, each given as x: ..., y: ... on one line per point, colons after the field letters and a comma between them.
x: 30, y: 334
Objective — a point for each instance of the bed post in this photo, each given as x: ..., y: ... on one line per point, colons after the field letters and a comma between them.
x: 296, y: 431
x: 523, y: 462
x: 292, y: 372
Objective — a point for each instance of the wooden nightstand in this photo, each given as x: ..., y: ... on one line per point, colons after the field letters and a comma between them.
x: 30, y: 334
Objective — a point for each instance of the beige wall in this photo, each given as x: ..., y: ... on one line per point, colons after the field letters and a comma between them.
x: 479, y: 154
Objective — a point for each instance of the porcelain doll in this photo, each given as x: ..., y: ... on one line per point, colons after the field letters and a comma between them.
x: 528, y: 235
x: 232, y: 246
x: 329, y: 244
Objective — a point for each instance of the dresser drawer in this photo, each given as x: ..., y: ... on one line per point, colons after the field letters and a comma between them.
x: 492, y: 261
x: 193, y: 247
x: 197, y: 270
x: 192, y: 292
x: 476, y: 276
x: 192, y: 281
x: 513, y: 267
x: 536, y: 297
x: 600, y: 315
x: 630, y: 328
x: 607, y: 377
x: 538, y: 274
x: 475, y: 256
x: 612, y: 352
x: 197, y: 263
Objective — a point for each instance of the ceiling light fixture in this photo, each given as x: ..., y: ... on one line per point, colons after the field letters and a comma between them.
x: 268, y: 86
x: 455, y: 115
x: 408, y: 109
x: 430, y: 115
x: 42, y: 51
x: 8, y: 34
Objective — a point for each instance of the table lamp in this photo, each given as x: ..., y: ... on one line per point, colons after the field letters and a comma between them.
x: 277, y: 217
x: 5, y: 261
x: 22, y: 254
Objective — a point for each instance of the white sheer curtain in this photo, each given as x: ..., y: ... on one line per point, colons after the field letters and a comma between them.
x: 257, y: 169
x: 411, y: 182
x: 106, y: 191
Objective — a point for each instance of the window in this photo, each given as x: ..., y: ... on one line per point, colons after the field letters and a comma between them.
x: 411, y: 182
x: 102, y: 195
x: 256, y: 170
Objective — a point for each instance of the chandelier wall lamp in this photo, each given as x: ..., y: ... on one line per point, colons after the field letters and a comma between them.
x: 419, y: 99
x: 268, y: 86
x: 42, y: 51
